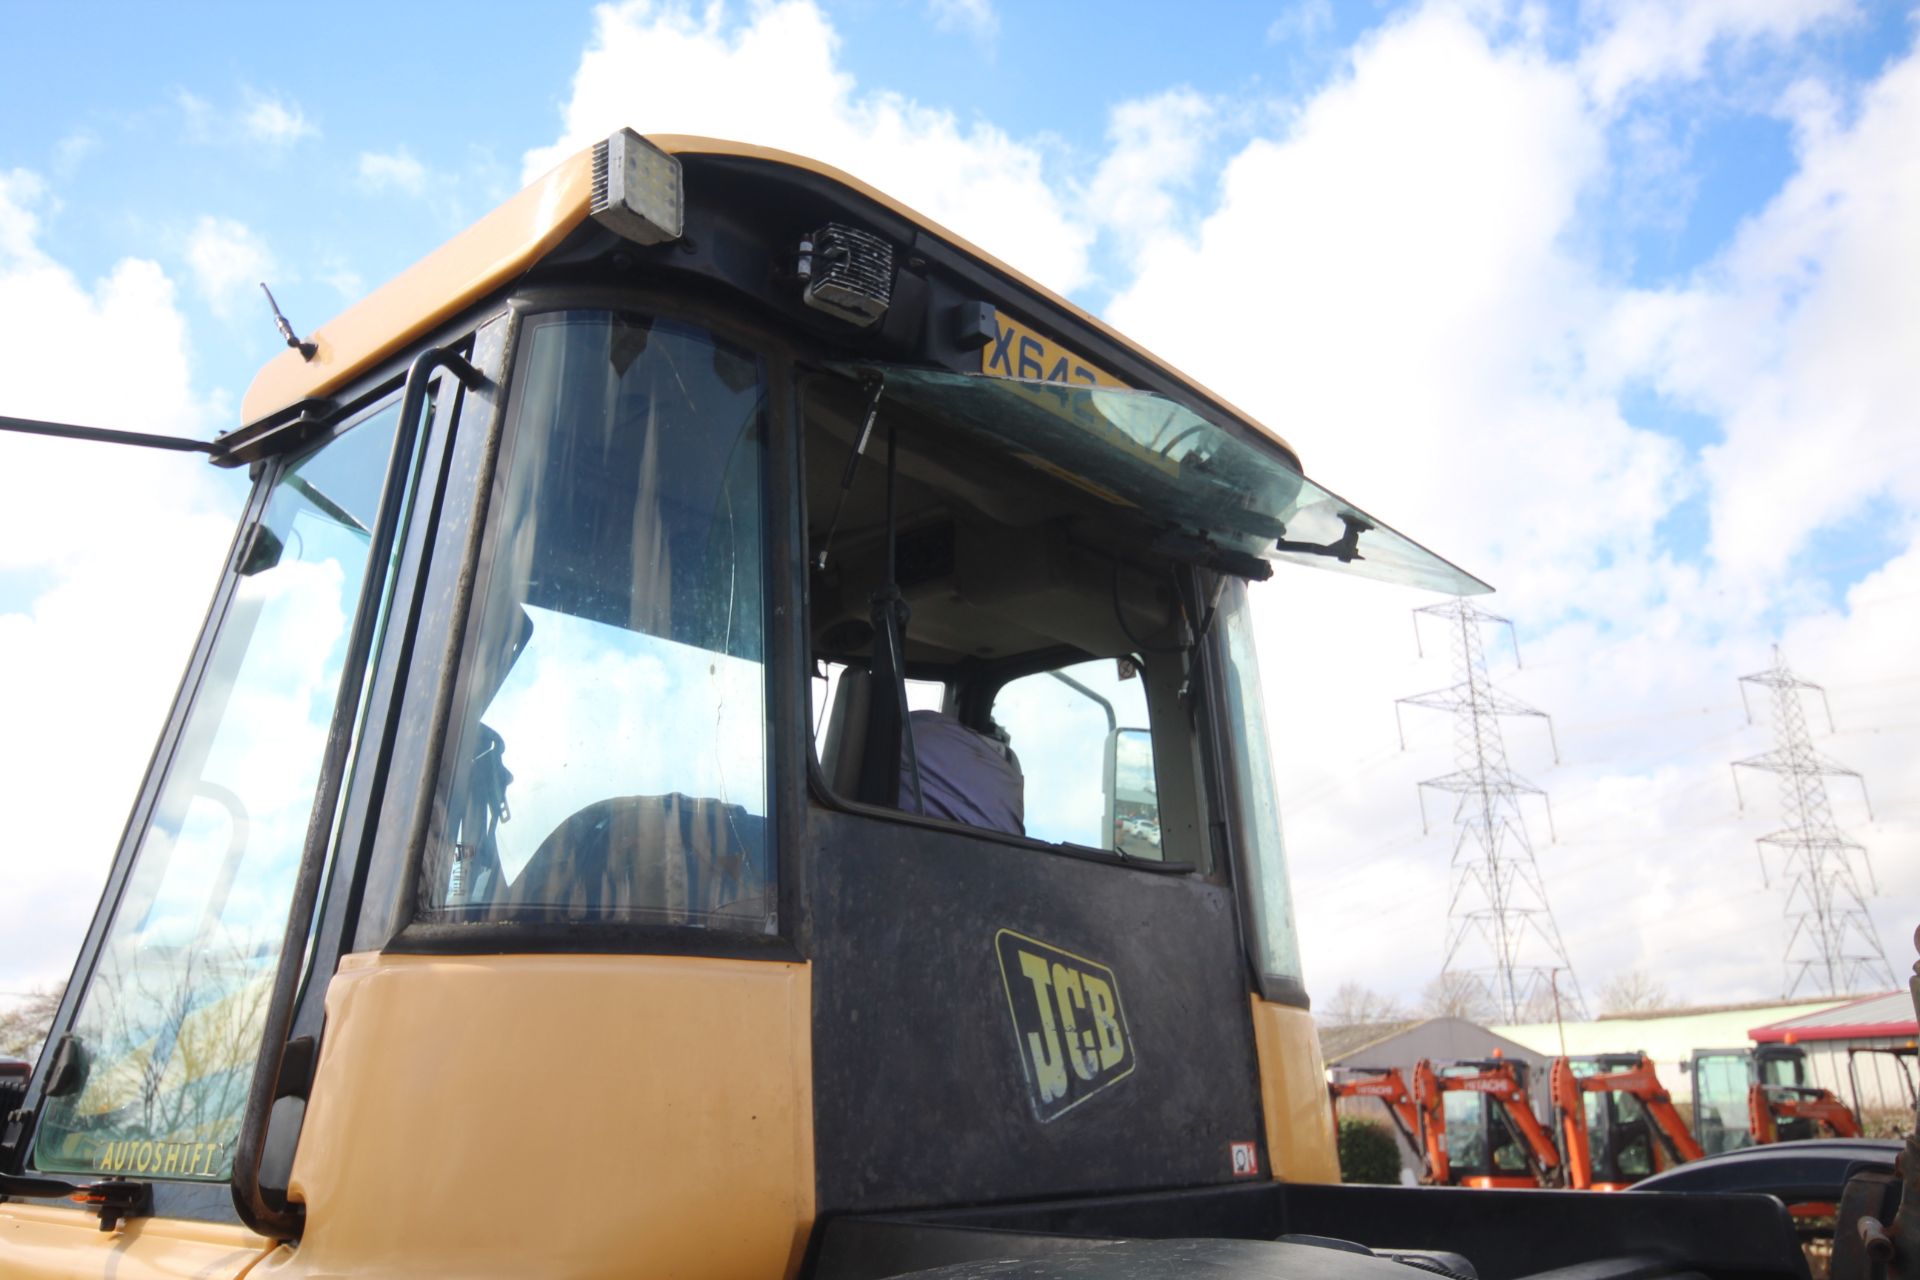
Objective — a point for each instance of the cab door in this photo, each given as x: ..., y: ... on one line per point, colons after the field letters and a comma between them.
x: 1057, y: 1006
x: 152, y: 1060
x: 1721, y: 1079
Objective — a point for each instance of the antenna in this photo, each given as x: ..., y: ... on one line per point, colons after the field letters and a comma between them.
x: 1497, y: 911
x: 307, y: 350
x: 1831, y: 941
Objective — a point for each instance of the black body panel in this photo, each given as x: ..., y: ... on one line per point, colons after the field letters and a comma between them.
x: 922, y: 1095
x: 1503, y: 1234
x: 1794, y: 1171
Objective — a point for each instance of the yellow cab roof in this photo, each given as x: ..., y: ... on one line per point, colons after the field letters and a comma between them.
x: 514, y: 237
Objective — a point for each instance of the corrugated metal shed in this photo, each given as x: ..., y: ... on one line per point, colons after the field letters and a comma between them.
x: 1871, y: 1018
x: 1668, y: 1036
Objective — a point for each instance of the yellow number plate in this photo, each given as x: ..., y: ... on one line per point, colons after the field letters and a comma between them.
x: 1018, y: 352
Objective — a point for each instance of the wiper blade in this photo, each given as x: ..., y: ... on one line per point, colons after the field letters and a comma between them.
x: 300, y: 485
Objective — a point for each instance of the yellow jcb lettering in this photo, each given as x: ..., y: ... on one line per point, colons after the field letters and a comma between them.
x: 1106, y: 1026
x: 1066, y: 989
x: 1049, y: 1066
x: 173, y: 1158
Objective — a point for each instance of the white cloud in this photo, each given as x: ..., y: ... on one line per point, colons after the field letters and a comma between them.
x: 343, y: 279
x: 275, y: 121
x: 1800, y: 338
x: 658, y: 68
x: 1396, y: 265
x: 71, y: 151
x: 1639, y: 42
x: 1398, y: 283
x: 229, y: 261
x: 196, y: 114
x: 395, y: 169
x: 1304, y: 22
x: 107, y: 558
x: 974, y: 17
x: 1155, y: 148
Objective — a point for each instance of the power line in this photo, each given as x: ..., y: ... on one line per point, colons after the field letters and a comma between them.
x: 1501, y: 935
x: 1831, y: 941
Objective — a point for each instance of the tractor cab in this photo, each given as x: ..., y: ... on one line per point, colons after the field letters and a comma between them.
x: 730, y: 742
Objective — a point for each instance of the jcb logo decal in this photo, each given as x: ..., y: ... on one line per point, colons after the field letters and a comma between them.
x: 1067, y: 1021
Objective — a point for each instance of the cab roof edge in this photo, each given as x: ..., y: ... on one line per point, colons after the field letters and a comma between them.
x: 531, y: 224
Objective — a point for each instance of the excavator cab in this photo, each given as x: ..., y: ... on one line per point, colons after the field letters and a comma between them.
x: 1615, y: 1122
x: 1619, y: 1133
x: 1748, y: 1097
x: 1722, y: 1081
x: 1479, y: 1127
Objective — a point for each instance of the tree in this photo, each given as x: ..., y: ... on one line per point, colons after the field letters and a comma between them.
x: 1635, y: 991
x: 1355, y: 1005
x: 24, y: 1027
x: 1368, y: 1153
x: 1453, y: 994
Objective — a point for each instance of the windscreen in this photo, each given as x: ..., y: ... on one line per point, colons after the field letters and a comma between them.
x: 1141, y: 451
x: 170, y: 1023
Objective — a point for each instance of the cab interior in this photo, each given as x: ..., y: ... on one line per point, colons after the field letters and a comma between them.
x: 1022, y: 583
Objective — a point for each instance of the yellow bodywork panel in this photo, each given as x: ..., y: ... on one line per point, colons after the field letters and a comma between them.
x: 1293, y: 1093
x: 559, y: 1116
x: 459, y: 273
x: 40, y: 1242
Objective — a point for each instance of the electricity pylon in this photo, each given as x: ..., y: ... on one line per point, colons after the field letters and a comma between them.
x: 1831, y: 944
x: 1498, y: 921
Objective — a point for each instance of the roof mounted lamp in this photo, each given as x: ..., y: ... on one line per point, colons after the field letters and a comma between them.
x: 846, y: 272
x: 637, y: 191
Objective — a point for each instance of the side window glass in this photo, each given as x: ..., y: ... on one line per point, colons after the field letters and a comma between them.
x: 609, y: 756
x: 170, y: 1022
x: 1081, y: 738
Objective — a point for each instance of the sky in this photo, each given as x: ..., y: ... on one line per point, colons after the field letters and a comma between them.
x: 1615, y: 303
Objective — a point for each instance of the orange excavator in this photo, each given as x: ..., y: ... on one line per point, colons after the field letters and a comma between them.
x: 1639, y: 1131
x: 1478, y: 1128
x: 1770, y: 1104
x: 1390, y: 1087
x: 1761, y: 1095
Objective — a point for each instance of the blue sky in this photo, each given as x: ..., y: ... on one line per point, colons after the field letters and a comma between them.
x: 1609, y: 300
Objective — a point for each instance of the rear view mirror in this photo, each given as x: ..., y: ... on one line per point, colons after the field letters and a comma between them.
x: 1133, y: 804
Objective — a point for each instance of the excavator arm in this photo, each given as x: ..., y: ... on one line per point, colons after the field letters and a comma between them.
x: 1390, y: 1087
x: 1430, y: 1112
x: 1768, y: 1104
x: 1543, y: 1158
x: 1570, y: 1115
